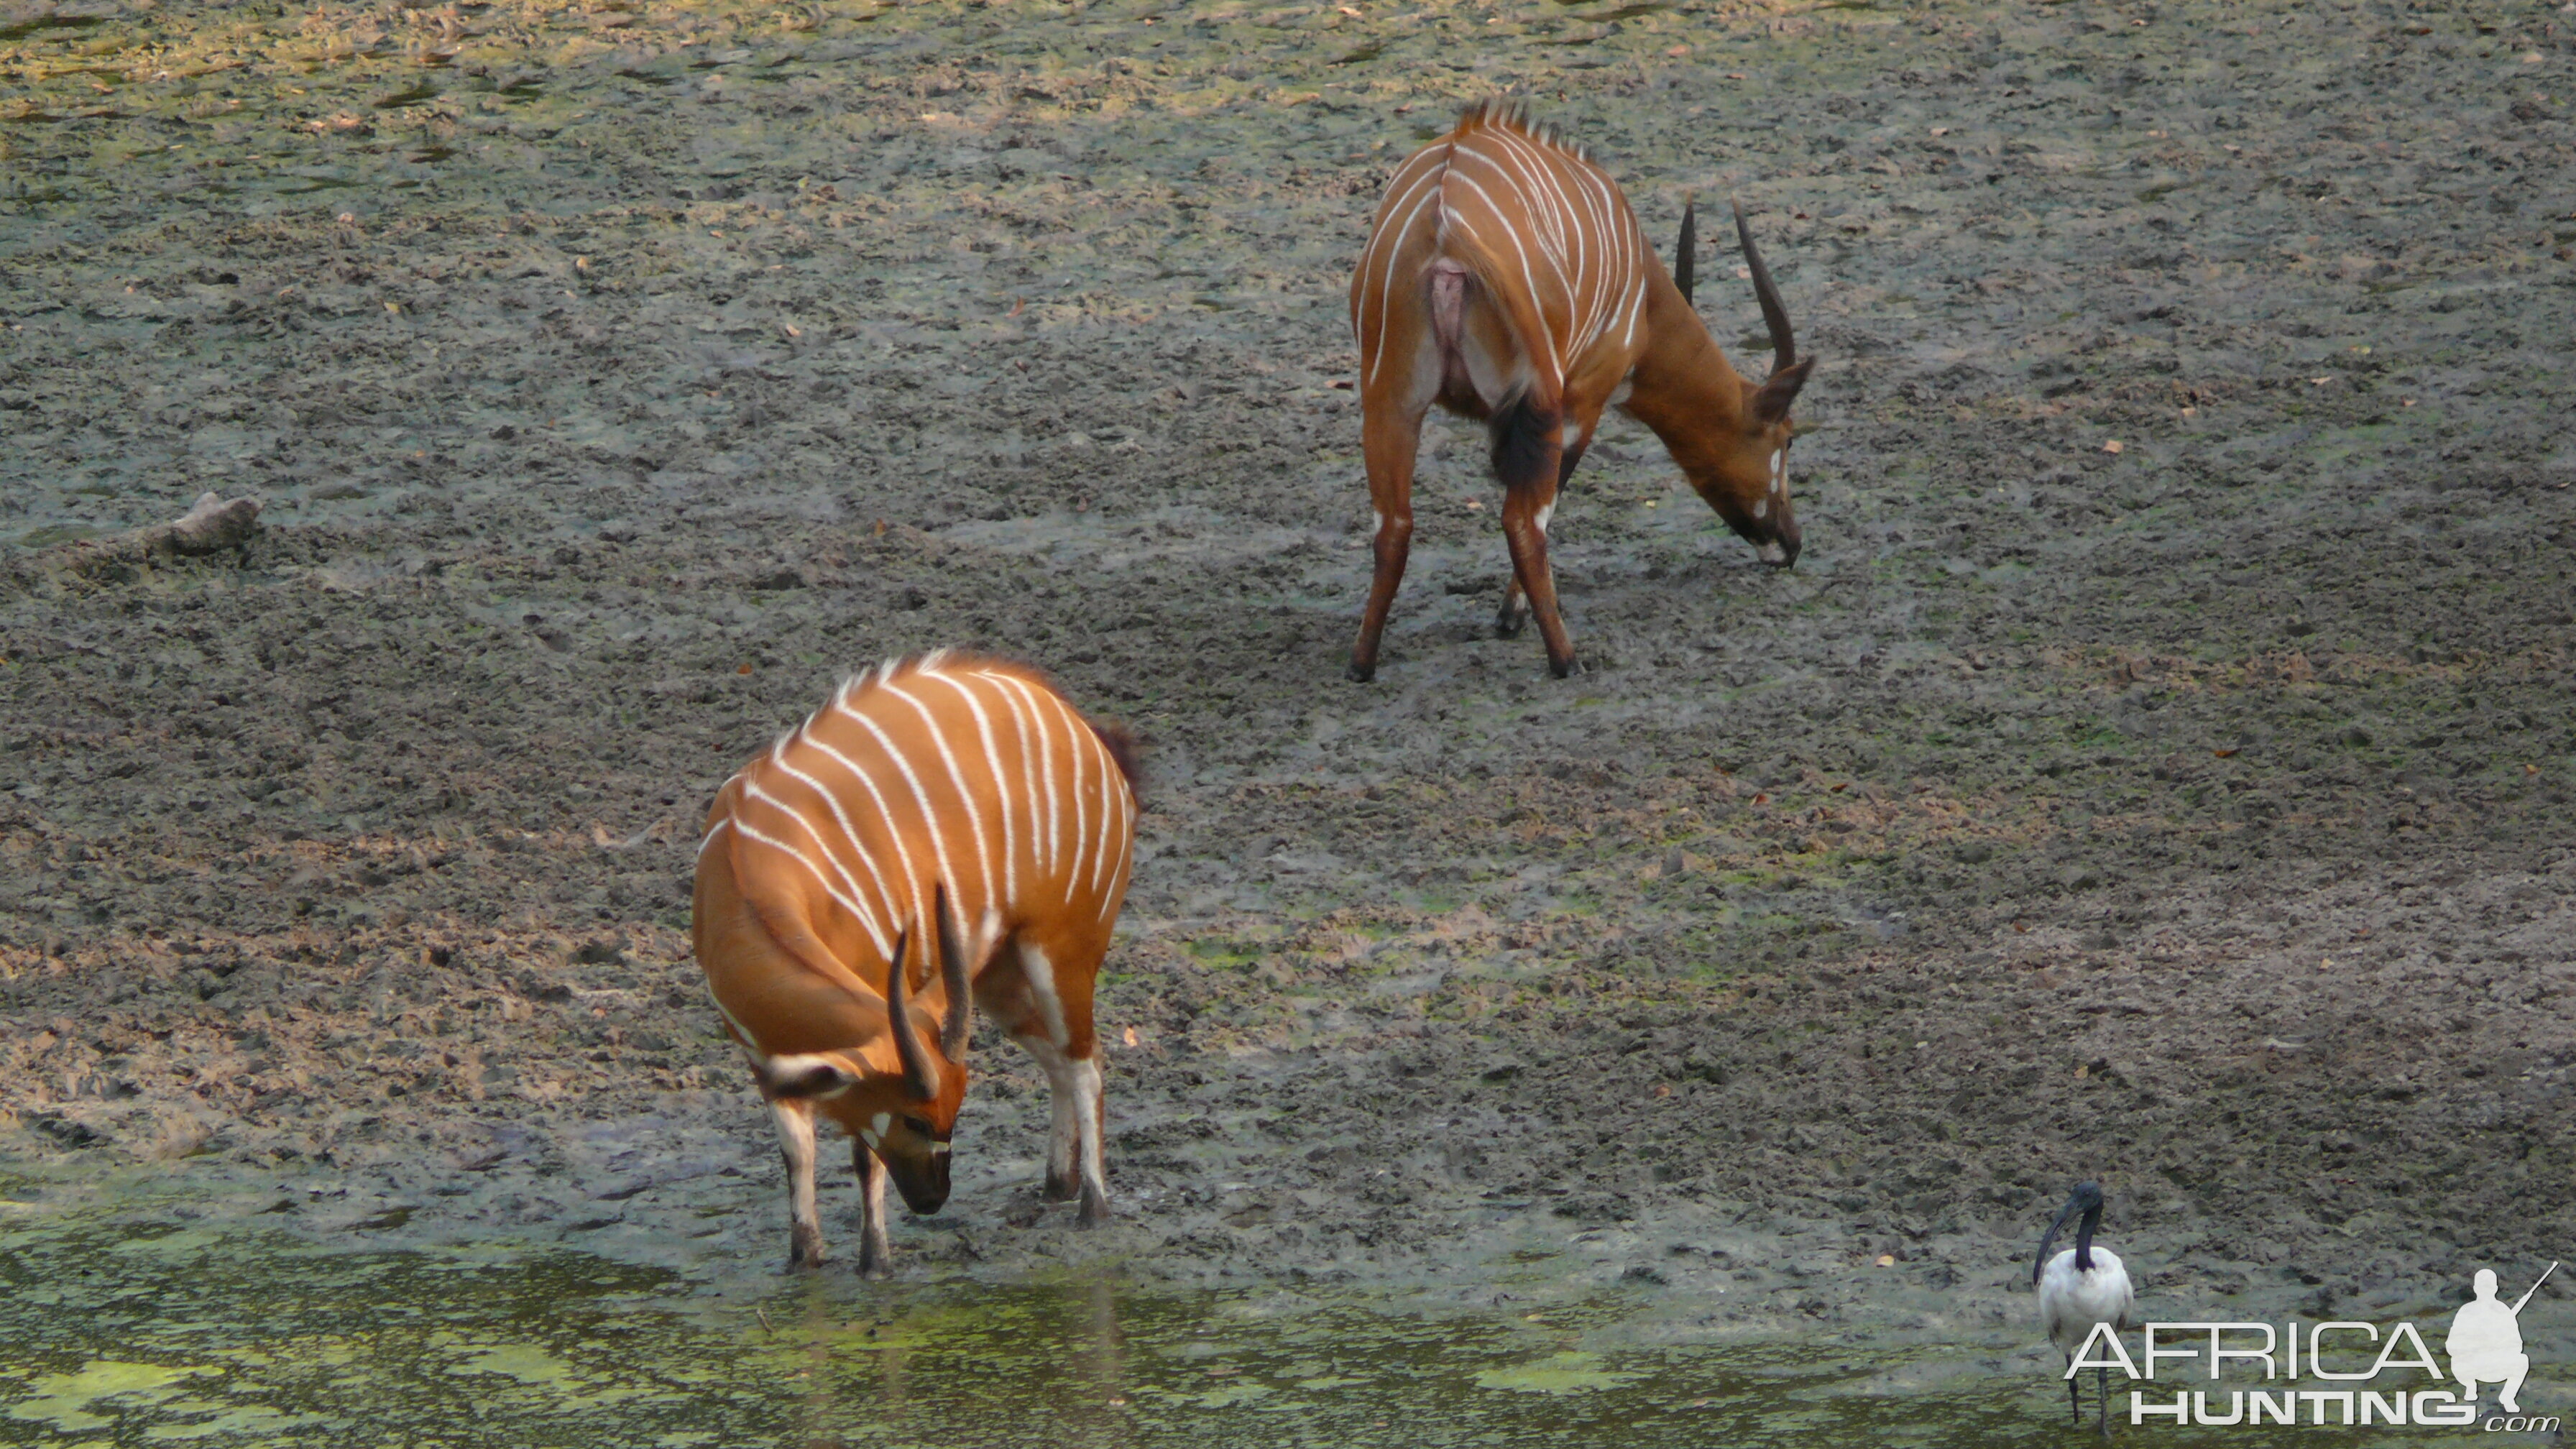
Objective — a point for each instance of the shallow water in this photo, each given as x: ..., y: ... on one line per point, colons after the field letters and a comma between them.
x: 135, y: 1334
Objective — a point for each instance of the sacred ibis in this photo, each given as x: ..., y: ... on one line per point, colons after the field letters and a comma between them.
x: 2079, y: 1288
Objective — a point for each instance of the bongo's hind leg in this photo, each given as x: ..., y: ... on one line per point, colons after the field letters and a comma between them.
x: 1075, y: 1165
x: 1389, y: 439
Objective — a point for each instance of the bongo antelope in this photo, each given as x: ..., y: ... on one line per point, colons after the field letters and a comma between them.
x: 2079, y: 1288
x: 1505, y: 279
x: 952, y: 801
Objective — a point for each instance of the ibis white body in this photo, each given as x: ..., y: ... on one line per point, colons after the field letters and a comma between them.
x: 2072, y: 1300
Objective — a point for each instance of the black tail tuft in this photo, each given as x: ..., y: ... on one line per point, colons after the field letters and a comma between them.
x: 1524, y: 435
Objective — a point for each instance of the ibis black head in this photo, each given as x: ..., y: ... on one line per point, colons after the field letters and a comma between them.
x: 2085, y: 1206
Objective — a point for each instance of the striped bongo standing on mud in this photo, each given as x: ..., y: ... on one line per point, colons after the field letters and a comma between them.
x: 950, y: 807
x: 1505, y: 279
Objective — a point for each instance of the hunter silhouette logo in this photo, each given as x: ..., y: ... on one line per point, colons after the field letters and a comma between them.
x: 2485, y: 1344
x: 2344, y: 1361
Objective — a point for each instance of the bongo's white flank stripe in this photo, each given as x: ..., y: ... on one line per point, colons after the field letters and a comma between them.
x: 796, y: 854
x: 1081, y: 807
x: 1025, y: 743
x: 993, y: 773
x: 903, y: 852
x: 1044, y: 791
x: 950, y: 832
x: 1506, y: 279
x: 850, y: 835
x: 921, y: 800
x: 965, y: 798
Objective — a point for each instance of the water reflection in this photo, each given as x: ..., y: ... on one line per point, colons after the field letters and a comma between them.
x: 133, y: 1335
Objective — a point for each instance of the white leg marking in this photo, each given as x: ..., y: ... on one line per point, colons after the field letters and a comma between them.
x: 875, y: 1252
x: 1040, y: 973
x: 795, y: 1123
x: 1546, y: 511
x: 1064, y: 1133
x: 1087, y: 1121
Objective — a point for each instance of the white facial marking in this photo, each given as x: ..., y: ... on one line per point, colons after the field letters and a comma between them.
x: 869, y: 1138
x: 1772, y: 553
x: 1780, y: 470
x: 877, y: 1126
x: 1762, y: 507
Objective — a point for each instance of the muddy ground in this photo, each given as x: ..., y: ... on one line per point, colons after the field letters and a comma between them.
x: 2157, y: 767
